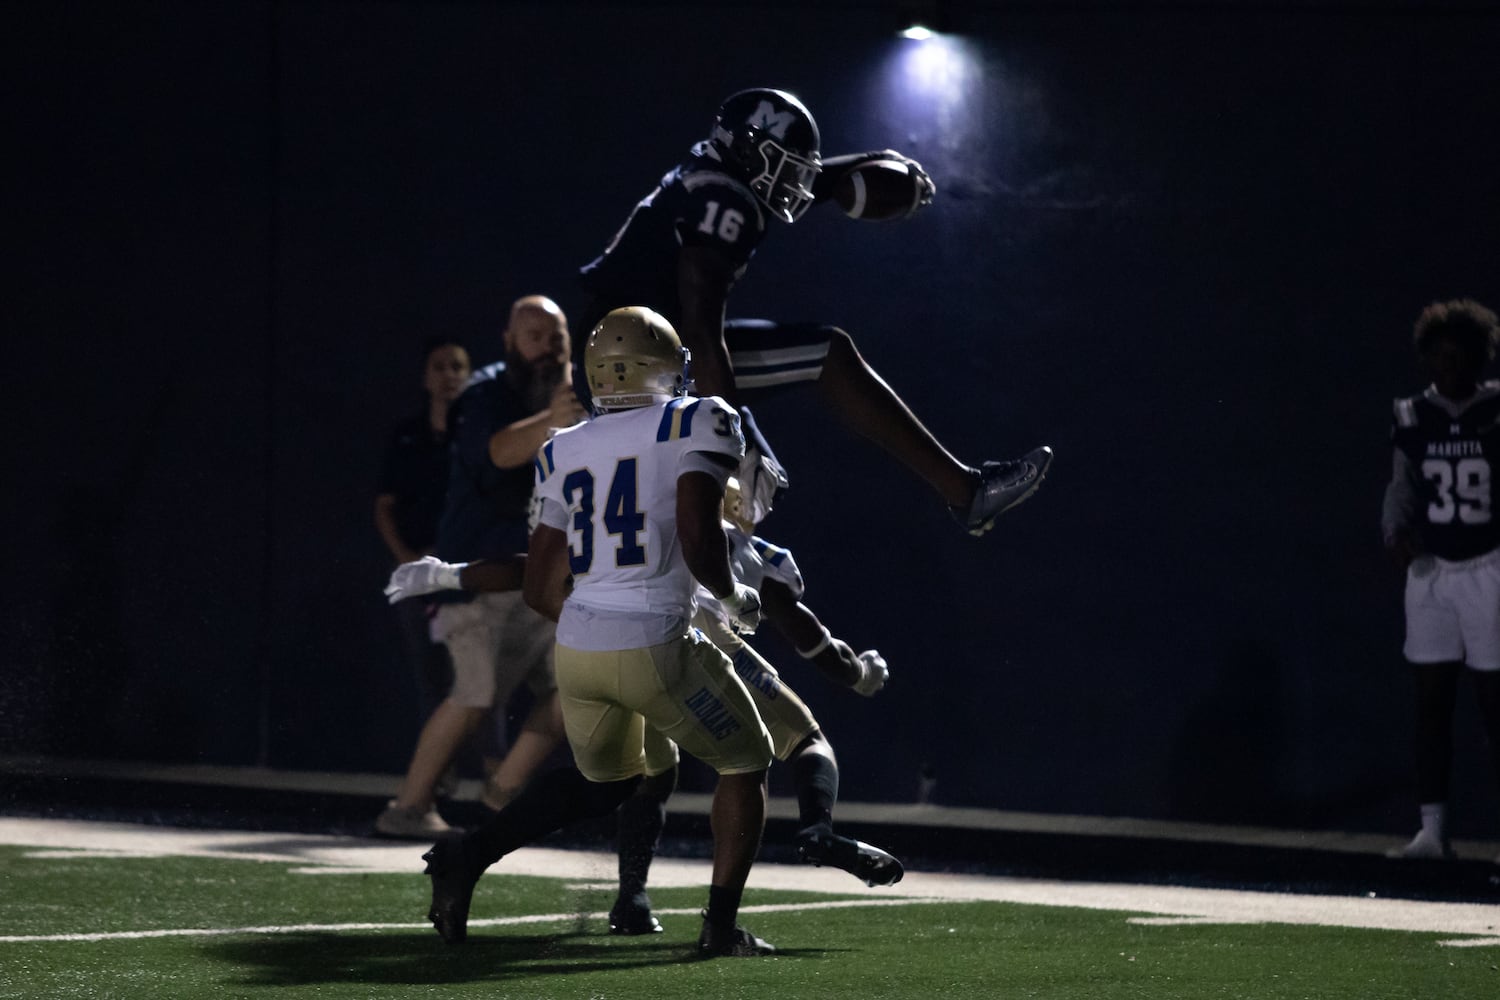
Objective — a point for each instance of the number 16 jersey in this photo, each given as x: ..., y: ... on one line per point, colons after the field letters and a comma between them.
x: 1446, y: 455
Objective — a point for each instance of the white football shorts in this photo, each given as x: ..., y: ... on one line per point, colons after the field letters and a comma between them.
x: 1453, y: 611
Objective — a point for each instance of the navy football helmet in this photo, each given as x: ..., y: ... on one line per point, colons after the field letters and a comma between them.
x: 770, y: 139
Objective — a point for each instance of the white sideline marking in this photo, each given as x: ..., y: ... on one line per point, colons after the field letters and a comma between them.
x: 530, y: 918
x: 1173, y: 921
x: 1475, y: 924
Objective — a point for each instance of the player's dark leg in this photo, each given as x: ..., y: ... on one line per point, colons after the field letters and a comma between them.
x: 552, y: 801
x: 815, y: 775
x: 640, y: 822
x: 868, y: 405
x: 737, y: 818
x: 770, y: 356
x: 1435, y: 695
x: 1487, y: 693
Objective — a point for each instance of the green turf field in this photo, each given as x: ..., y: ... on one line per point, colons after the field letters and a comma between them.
x: 207, y: 927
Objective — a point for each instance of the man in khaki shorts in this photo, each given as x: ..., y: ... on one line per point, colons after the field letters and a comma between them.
x: 628, y: 527
x: 496, y: 642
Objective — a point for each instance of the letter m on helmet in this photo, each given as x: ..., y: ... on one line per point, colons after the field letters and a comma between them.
x: 775, y: 122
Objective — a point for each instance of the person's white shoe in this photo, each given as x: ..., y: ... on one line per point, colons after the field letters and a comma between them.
x: 410, y: 823
x: 1423, y: 846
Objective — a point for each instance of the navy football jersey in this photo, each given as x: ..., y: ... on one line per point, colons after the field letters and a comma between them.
x: 696, y: 204
x: 1450, y: 454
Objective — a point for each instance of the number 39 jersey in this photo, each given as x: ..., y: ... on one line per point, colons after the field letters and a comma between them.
x: 1448, y: 455
x: 610, y: 483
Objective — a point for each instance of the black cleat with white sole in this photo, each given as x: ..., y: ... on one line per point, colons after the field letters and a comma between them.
x: 819, y: 845
x: 731, y: 942
x: 1003, y: 485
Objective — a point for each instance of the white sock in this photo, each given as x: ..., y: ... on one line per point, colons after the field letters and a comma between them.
x: 1435, y: 820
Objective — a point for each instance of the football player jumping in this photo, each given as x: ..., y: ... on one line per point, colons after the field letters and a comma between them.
x: 686, y: 244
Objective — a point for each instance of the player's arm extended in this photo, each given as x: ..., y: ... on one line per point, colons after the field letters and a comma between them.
x: 865, y: 672
x: 545, y: 584
x: 805, y: 632
x: 834, y: 168
x: 704, y: 278
x: 430, y: 574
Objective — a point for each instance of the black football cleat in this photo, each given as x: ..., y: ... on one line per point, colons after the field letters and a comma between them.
x: 1003, y: 485
x: 453, y: 881
x: 630, y: 917
x: 819, y: 845
x: 730, y: 942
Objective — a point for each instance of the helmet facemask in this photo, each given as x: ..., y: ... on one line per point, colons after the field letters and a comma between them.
x: 784, y: 184
x: 772, y: 140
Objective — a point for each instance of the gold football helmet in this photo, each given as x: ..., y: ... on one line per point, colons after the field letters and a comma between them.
x: 634, y: 358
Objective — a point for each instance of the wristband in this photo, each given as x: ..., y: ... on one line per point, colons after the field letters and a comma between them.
x: 808, y: 654
x: 447, y: 576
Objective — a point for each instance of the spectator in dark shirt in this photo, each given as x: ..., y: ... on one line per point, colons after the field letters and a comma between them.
x: 409, y: 502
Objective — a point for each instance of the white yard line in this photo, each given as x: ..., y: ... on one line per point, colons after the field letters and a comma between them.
x: 1478, y: 924
x: 530, y: 918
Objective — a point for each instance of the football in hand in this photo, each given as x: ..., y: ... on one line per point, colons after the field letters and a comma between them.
x: 881, y: 189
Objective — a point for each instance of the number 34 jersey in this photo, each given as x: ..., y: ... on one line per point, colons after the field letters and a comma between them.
x: 1446, y: 457
x: 610, y: 483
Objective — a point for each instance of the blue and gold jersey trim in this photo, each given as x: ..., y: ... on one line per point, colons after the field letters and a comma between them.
x: 544, y: 464
x: 677, y: 419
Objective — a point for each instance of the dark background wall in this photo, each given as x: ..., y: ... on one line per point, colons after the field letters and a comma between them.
x: 1183, y: 244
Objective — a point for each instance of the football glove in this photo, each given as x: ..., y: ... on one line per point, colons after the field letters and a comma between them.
x: 743, y: 608
x: 425, y: 576
x: 873, y: 673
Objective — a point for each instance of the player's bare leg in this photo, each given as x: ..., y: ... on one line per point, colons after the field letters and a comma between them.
x: 410, y: 813
x: 868, y: 405
x: 539, y: 736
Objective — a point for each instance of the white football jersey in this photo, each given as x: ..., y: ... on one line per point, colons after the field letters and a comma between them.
x: 753, y: 560
x: 610, y: 483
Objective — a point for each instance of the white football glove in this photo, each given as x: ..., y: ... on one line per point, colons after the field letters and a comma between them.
x: 873, y: 673
x: 743, y: 607
x: 425, y: 576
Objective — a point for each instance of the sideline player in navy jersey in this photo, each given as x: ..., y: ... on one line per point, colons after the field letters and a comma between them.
x: 628, y: 527
x: 1440, y: 525
x: 688, y: 242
